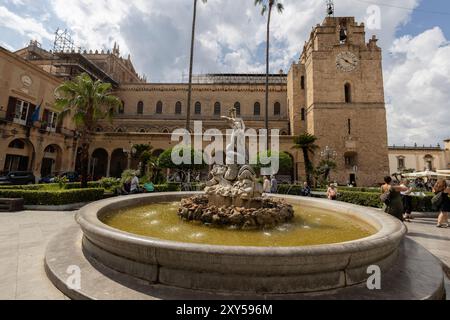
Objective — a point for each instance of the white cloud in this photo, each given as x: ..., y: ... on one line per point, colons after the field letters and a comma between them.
x: 26, y: 26
x: 417, y: 89
x: 231, y: 38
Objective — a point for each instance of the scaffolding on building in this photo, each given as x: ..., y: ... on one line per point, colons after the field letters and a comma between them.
x: 64, y: 42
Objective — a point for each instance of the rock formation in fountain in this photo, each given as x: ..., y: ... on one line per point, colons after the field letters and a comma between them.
x: 233, y: 196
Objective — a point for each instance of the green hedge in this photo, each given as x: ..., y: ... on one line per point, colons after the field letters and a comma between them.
x: 363, y: 197
x: 171, y: 187
x: 54, y: 197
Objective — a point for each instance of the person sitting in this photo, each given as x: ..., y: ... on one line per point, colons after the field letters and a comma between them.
x: 306, y: 191
x: 332, y: 192
x: 134, y: 187
x: 149, y: 187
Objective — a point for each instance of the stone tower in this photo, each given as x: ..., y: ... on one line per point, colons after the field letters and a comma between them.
x: 336, y: 92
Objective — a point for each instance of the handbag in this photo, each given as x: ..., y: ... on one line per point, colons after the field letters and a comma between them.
x: 437, y: 200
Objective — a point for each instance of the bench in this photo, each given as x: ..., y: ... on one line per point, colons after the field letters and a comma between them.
x: 11, y: 205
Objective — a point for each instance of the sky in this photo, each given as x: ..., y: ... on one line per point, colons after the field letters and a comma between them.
x: 231, y: 38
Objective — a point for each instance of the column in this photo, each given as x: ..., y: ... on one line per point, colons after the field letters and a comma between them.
x: 129, y: 161
x: 108, y: 167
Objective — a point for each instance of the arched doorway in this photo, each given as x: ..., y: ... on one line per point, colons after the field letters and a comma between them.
x: 287, y: 172
x: 51, y: 161
x: 119, y: 162
x: 19, y: 156
x: 99, y: 164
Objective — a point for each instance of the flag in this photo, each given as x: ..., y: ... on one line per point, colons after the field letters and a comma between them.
x: 36, y: 113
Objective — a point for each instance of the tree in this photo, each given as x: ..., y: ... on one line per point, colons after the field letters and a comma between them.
x: 307, y: 143
x: 191, y: 65
x: 268, y: 6
x: 285, y: 160
x: 87, y: 102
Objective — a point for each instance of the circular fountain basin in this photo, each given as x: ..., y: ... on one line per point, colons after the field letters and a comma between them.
x: 240, y: 267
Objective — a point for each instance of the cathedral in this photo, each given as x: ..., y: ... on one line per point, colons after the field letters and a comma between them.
x: 334, y: 91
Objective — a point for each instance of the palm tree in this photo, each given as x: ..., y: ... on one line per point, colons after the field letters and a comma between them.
x: 267, y: 6
x: 86, y: 102
x: 307, y: 143
x: 191, y: 65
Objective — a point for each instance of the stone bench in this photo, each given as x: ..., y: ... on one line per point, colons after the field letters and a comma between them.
x: 11, y: 205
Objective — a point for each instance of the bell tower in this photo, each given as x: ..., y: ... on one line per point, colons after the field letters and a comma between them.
x: 343, y: 98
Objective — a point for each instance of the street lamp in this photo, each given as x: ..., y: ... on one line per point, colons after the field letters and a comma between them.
x: 328, y: 155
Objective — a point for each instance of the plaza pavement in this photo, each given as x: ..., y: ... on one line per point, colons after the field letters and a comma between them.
x: 24, y: 237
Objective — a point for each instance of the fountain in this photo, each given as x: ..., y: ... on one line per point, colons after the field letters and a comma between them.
x: 233, y: 197
x: 233, y: 243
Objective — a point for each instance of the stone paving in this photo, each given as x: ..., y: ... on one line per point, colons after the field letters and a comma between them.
x: 24, y: 237
x: 23, y: 240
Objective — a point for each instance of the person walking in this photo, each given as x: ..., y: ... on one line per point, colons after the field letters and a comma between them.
x: 274, y: 185
x: 442, y: 190
x: 267, y: 185
x: 393, y: 203
x: 407, y: 201
x: 332, y: 192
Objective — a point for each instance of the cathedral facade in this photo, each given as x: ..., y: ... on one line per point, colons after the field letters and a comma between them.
x: 334, y: 91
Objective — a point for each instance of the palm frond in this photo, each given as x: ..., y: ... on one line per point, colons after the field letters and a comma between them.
x: 280, y: 7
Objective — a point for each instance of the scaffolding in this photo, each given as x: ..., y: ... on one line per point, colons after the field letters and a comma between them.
x: 63, y: 41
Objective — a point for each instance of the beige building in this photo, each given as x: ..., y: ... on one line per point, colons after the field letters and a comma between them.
x: 335, y: 91
x: 419, y: 158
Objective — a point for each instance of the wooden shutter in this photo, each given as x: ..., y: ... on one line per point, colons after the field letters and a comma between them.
x: 11, y: 111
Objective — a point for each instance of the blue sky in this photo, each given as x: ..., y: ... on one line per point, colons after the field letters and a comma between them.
x: 424, y: 18
x: 231, y: 38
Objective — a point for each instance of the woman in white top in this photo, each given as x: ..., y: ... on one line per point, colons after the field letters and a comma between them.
x: 407, y: 201
x: 267, y: 185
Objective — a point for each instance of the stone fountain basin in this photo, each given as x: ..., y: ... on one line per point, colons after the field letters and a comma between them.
x: 241, y: 269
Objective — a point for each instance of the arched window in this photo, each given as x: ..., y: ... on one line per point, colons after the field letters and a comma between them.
x: 257, y: 109
x: 429, y: 162
x: 17, y: 144
x: 140, y: 107
x: 122, y: 108
x: 303, y: 114
x: 198, y: 108
x: 159, y: 107
x: 50, y: 149
x: 178, y: 108
x: 348, y: 93
x: 217, y: 109
x: 302, y: 82
x: 401, y: 163
x: 277, y: 109
x: 237, y: 106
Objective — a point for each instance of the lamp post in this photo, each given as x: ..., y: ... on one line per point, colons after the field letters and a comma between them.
x: 328, y: 155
